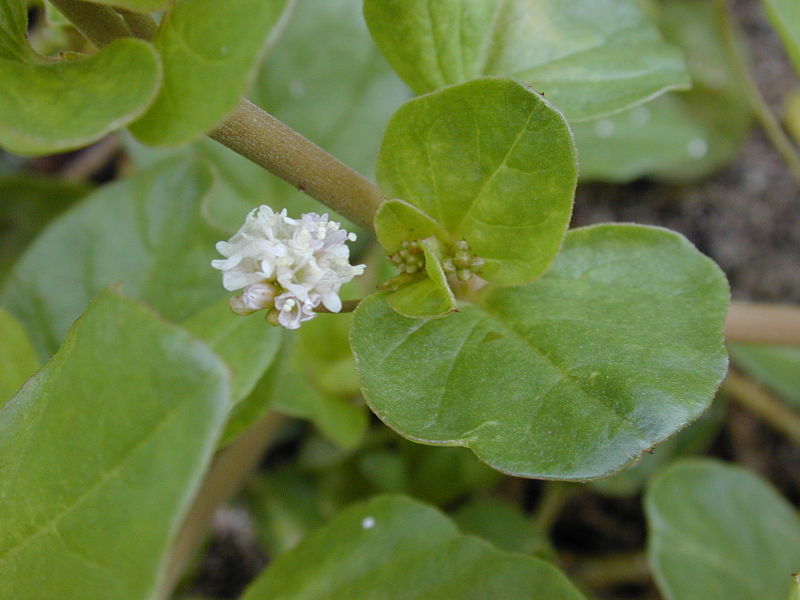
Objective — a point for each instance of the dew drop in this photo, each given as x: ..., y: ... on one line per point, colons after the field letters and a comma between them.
x: 604, y: 128
x: 368, y: 523
x: 697, y: 148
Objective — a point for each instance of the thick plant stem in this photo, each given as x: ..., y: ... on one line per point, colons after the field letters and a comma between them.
x: 257, y: 135
x: 228, y: 472
x: 758, y: 105
x: 764, y: 323
x: 98, y: 24
x: 763, y: 405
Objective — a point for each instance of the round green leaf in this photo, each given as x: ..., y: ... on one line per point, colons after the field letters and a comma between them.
x: 146, y: 231
x: 102, y: 453
x: 590, y: 58
x: 718, y: 531
x: 394, y: 548
x: 18, y: 359
x: 777, y: 367
x: 614, y: 349
x: 49, y: 107
x: 488, y: 160
x: 210, y: 50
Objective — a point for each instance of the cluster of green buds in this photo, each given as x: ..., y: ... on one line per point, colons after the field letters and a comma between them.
x: 463, y: 264
x: 409, y: 259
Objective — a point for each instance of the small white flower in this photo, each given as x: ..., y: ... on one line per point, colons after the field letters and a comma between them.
x: 289, y: 266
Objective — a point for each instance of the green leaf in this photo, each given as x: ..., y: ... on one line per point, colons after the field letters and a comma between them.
x: 590, y: 58
x: 371, y: 550
x: 140, y: 6
x: 777, y: 367
x: 298, y: 391
x: 52, y: 106
x: 102, y: 452
x: 502, y: 524
x: 785, y: 18
x: 210, y: 51
x: 695, y: 439
x: 285, y: 508
x: 28, y: 204
x: 18, y: 359
x: 146, y: 231
x: 488, y: 160
x: 442, y: 475
x: 247, y: 344
x: 718, y: 531
x: 430, y: 297
x: 614, y: 349
x: 397, y: 221
x: 682, y: 135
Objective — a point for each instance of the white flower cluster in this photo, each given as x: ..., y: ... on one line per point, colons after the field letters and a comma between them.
x: 289, y: 266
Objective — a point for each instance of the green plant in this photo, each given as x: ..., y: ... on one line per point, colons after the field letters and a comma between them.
x: 479, y: 322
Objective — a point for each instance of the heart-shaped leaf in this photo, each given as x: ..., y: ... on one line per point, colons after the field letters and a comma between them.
x: 489, y: 161
x: 614, y: 349
x: 18, y: 359
x: 718, y: 531
x: 146, y: 231
x: 590, y: 58
x: 51, y: 106
x: 210, y: 51
x: 102, y: 452
x: 372, y: 549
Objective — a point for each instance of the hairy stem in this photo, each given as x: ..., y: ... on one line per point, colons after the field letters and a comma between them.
x: 228, y: 472
x: 758, y: 105
x: 766, y: 323
x: 763, y: 405
x: 98, y: 24
x: 257, y: 135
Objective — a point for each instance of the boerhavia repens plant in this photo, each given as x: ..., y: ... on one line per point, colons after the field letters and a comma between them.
x: 517, y: 368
